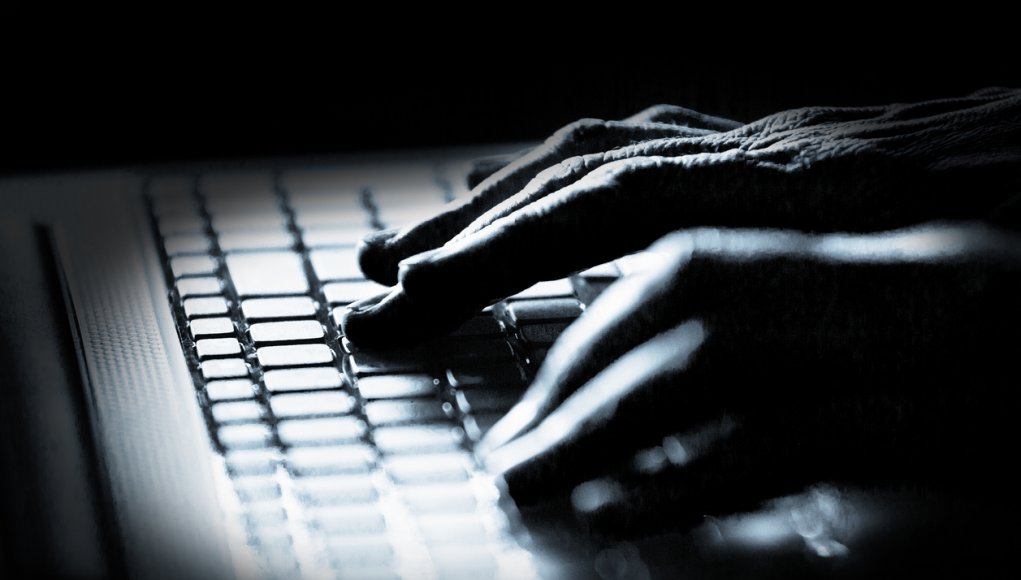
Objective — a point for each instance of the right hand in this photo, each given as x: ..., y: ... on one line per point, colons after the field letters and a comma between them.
x: 772, y: 361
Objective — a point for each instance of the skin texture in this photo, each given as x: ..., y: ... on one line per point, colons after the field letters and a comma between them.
x: 803, y: 326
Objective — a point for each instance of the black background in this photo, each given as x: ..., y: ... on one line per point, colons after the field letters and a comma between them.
x: 92, y: 111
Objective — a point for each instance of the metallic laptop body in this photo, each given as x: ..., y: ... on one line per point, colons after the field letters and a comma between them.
x: 197, y: 475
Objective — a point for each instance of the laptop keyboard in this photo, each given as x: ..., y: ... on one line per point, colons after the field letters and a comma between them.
x: 343, y: 462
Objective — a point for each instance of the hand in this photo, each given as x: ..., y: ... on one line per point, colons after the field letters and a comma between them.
x: 597, y: 190
x: 758, y: 363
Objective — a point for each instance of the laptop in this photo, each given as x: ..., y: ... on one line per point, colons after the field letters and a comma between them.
x: 206, y: 418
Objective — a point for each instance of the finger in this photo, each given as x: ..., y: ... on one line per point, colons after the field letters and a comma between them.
x: 486, y: 166
x: 668, y: 114
x: 627, y: 314
x: 571, y: 170
x: 619, y: 208
x: 590, y: 221
x: 638, y: 395
x: 368, y: 323
x: 492, y: 264
x: 692, y: 475
x: 380, y: 254
x: 684, y: 117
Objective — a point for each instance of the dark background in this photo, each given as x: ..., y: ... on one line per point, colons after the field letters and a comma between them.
x: 90, y: 113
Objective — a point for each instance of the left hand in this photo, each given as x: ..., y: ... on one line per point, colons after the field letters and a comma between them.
x: 597, y: 190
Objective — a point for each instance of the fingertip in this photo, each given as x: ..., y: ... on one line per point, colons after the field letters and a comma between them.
x: 507, y: 428
x: 531, y: 468
x: 377, y: 257
x: 595, y: 496
x: 359, y: 322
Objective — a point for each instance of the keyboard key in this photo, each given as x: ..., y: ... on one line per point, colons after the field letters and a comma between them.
x: 205, y: 306
x: 186, y: 244
x: 192, y: 265
x: 351, y: 554
x: 211, y: 347
x: 273, y: 540
x: 224, y: 368
x: 406, y: 411
x: 320, y: 431
x: 542, y: 333
x: 303, y: 379
x: 434, y: 467
x: 454, y: 528
x: 270, y: 308
x: 230, y: 389
x: 340, y: 264
x: 235, y: 213
x: 228, y: 221
x: 550, y: 289
x: 172, y: 206
x: 251, y: 462
x: 397, y: 386
x: 181, y: 223
x: 256, y: 489
x: 236, y: 183
x: 289, y: 331
x: 308, y: 461
x: 345, y: 218
x: 399, y: 217
x: 526, y: 311
x: 482, y: 325
x: 267, y: 273
x: 315, y: 403
x: 331, y: 185
x: 487, y: 399
x: 588, y: 289
x: 418, y: 438
x: 347, y: 292
x: 202, y: 327
x: 455, y: 560
x: 198, y: 286
x: 390, y: 361
x: 480, y: 352
x: 350, y: 519
x: 237, y: 411
x: 333, y: 490
x: 442, y: 498
x: 325, y: 237
x: 406, y: 184
x: 265, y: 515
x: 608, y: 271
x: 171, y: 186
x: 506, y: 373
x: 293, y: 355
x: 258, y: 240
x: 244, y: 436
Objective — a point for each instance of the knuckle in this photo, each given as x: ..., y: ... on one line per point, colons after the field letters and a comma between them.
x: 658, y: 112
x: 580, y: 130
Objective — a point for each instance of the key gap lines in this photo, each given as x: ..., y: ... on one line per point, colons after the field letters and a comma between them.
x: 256, y: 372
